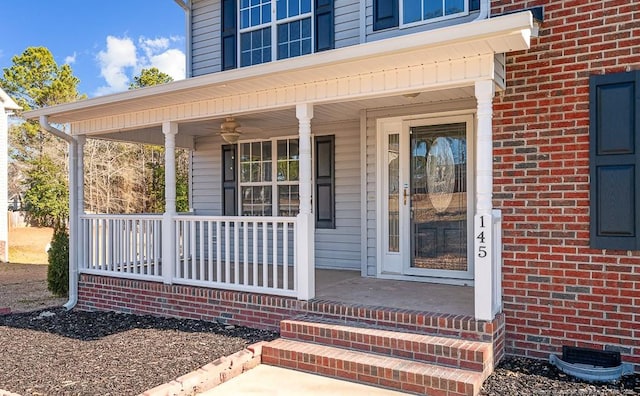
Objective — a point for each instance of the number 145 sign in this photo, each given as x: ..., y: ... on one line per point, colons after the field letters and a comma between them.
x: 483, y: 237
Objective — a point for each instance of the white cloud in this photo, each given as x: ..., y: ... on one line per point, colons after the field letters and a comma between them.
x: 123, y: 59
x: 71, y: 59
x: 171, y: 61
x: 120, y: 55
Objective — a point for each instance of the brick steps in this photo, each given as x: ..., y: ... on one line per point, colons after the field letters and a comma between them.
x: 378, y: 370
x: 395, y: 359
x: 445, y: 351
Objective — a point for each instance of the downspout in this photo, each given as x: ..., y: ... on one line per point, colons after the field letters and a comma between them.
x: 73, y: 212
x: 186, y: 6
x: 484, y: 10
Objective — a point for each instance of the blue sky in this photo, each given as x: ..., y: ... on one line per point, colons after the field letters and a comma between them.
x: 106, y: 42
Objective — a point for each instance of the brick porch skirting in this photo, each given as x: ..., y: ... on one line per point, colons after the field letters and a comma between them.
x: 101, y: 293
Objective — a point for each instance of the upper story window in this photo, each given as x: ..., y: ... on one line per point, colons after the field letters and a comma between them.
x: 277, y: 29
x: 414, y: 11
x: 259, y: 31
x: 404, y: 13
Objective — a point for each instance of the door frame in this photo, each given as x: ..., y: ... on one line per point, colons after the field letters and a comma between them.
x: 393, y: 265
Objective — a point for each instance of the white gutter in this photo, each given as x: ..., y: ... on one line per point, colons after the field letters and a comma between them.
x: 73, y: 212
x: 484, y: 10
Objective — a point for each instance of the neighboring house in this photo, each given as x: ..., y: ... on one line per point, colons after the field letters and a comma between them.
x: 459, y: 168
x: 7, y: 105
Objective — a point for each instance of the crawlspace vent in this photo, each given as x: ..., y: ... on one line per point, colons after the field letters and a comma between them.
x: 594, y: 357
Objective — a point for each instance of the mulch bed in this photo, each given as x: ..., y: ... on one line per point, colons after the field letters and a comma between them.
x: 59, y: 352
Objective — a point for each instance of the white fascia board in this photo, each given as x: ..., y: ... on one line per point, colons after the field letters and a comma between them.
x: 492, y: 31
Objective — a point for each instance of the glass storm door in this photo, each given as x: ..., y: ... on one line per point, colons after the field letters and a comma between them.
x: 438, y: 200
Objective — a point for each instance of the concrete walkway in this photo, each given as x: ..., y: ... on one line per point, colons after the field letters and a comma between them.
x: 268, y: 380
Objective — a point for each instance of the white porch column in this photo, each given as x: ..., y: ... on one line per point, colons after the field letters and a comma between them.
x: 170, y: 130
x: 305, y: 259
x: 483, y: 220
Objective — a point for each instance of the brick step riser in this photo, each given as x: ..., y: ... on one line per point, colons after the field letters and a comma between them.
x: 465, y: 356
x: 465, y: 328
x: 371, y: 374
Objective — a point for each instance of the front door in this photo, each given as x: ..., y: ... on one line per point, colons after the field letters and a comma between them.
x: 426, y: 203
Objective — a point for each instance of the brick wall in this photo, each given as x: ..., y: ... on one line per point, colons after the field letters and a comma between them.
x: 556, y: 289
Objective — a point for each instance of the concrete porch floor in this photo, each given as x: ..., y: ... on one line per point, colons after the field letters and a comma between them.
x: 351, y: 288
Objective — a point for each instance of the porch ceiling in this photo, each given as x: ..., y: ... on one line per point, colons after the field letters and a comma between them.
x: 376, y: 74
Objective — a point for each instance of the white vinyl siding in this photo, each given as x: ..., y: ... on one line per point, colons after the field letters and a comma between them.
x: 206, y: 32
x: 335, y: 248
x: 347, y: 20
x: 206, y: 37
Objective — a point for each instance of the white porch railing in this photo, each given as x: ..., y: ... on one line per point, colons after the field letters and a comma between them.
x: 121, y: 245
x: 256, y: 254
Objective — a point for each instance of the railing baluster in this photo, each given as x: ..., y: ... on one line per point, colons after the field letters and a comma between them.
x: 218, y: 251
x: 210, y: 251
x: 227, y: 256
x: 236, y: 252
x: 285, y: 255
x: 265, y: 256
x: 274, y: 260
x: 245, y: 253
x: 256, y: 257
x: 201, y: 275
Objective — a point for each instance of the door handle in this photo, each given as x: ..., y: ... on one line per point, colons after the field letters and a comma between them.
x: 405, y: 196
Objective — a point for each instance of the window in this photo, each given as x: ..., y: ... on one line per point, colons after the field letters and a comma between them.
x: 274, y: 29
x: 392, y: 13
x: 426, y: 10
x: 614, y: 153
x: 269, y: 178
x: 290, y: 31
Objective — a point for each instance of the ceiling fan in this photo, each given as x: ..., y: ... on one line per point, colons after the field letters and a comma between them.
x: 230, y: 130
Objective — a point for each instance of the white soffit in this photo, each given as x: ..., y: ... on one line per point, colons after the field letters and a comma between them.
x: 497, y: 35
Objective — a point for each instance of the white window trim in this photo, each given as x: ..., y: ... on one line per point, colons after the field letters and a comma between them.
x: 433, y: 20
x: 274, y: 183
x: 274, y: 30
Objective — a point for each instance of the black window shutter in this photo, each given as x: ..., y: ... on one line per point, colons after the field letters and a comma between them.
x: 386, y: 14
x: 325, y: 200
x: 325, y: 30
x: 229, y: 180
x: 229, y: 34
x: 614, y: 124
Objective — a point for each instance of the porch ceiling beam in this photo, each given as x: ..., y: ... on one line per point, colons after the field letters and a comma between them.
x: 419, y: 77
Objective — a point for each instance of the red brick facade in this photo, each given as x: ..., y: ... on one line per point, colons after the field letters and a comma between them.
x: 556, y: 289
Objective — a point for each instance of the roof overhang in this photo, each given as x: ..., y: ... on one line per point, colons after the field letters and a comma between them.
x: 6, y: 102
x: 397, y: 65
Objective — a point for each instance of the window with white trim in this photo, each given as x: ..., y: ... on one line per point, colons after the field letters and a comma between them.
x: 418, y: 11
x: 269, y: 177
x: 274, y: 29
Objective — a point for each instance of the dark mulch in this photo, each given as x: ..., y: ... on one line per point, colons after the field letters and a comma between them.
x: 522, y: 376
x: 105, y: 353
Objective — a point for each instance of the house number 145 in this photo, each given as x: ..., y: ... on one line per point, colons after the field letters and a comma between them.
x: 482, y: 236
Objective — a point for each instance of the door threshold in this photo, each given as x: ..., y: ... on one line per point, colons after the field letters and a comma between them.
x: 427, y: 279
